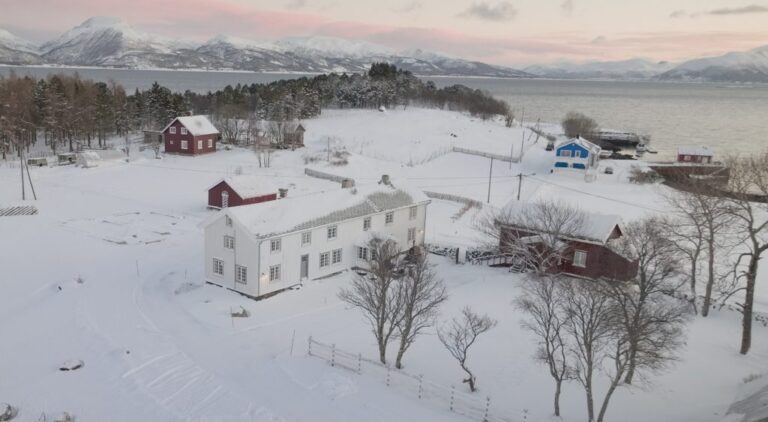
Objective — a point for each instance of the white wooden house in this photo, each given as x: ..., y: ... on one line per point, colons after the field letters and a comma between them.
x: 263, y: 248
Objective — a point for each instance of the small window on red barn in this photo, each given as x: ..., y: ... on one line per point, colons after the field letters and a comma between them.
x: 172, y: 130
x: 579, y: 259
x: 183, y: 131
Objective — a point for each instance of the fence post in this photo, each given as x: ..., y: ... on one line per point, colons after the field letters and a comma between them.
x: 333, y: 354
x: 388, y: 372
x: 421, y: 388
x: 359, y: 363
x: 487, y: 408
x: 453, y: 390
x: 309, y: 350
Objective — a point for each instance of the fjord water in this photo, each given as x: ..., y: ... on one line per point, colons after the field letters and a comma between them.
x: 730, y: 118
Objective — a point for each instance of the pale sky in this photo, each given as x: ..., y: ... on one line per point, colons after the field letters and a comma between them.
x: 505, y: 32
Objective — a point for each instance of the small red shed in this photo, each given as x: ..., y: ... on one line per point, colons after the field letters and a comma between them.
x: 190, y: 135
x: 242, y: 190
x: 694, y: 155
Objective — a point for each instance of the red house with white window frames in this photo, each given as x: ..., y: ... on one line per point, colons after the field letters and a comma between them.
x: 242, y: 190
x: 589, y: 251
x: 190, y: 135
x: 695, y: 155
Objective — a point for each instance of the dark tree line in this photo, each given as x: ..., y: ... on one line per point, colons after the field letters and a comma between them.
x: 68, y: 111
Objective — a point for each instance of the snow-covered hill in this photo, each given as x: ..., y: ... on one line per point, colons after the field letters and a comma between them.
x: 625, y: 69
x: 16, y: 50
x: 107, y: 41
x: 747, y: 66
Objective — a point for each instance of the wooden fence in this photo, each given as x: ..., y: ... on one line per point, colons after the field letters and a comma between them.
x: 499, y: 157
x: 326, y: 176
x: 473, y: 406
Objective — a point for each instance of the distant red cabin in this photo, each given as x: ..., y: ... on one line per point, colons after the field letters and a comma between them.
x: 694, y: 155
x: 589, y: 257
x: 190, y: 135
x: 241, y: 190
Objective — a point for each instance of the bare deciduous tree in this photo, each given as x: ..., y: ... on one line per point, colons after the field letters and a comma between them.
x: 460, y: 334
x: 577, y: 124
x: 641, y: 305
x: 422, y: 293
x: 591, y: 330
x: 375, y: 293
x: 534, y: 233
x: 544, y: 304
x: 748, y: 181
x: 699, y: 228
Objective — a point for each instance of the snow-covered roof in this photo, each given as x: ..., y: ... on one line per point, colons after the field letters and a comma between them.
x: 196, y: 125
x: 695, y: 150
x: 597, y: 227
x: 248, y: 186
x: 317, y: 209
x: 582, y: 143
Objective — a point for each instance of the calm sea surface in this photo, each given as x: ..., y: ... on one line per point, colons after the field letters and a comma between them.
x: 729, y: 118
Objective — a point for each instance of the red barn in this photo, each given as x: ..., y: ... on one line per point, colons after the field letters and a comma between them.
x: 190, y: 135
x: 242, y: 190
x: 697, y: 155
x: 589, y: 251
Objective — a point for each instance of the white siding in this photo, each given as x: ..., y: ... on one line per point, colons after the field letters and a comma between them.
x: 252, y: 253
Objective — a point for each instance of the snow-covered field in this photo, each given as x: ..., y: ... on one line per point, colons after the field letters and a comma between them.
x: 111, y: 272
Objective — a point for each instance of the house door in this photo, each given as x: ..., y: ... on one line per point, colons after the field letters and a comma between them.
x: 224, y: 199
x: 304, y: 267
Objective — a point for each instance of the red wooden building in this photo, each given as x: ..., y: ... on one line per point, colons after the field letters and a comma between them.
x: 694, y: 155
x: 589, y: 251
x: 190, y: 135
x: 242, y: 190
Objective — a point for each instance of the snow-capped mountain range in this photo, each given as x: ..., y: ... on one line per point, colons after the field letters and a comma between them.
x: 625, y: 69
x: 112, y: 42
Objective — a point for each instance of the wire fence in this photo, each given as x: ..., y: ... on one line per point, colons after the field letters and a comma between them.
x: 499, y: 157
x: 474, y: 407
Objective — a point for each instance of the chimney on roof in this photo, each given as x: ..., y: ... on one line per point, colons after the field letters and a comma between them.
x: 347, y: 183
x: 282, y: 193
x: 384, y: 180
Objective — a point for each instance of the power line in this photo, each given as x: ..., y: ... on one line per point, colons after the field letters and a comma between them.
x: 596, y: 195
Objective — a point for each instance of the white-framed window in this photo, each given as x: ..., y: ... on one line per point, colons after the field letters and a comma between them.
x: 580, y: 259
x: 171, y: 141
x: 228, y: 221
x: 225, y: 201
x: 325, y: 259
x: 183, y: 131
x: 389, y: 218
x: 200, y: 144
x: 366, y: 223
x: 210, y: 143
x: 686, y: 158
x: 229, y: 242
x: 218, y: 266
x: 184, y: 144
x: 172, y: 130
x: 275, y: 245
x: 336, y: 256
x: 274, y: 273
x: 241, y: 274
x: 333, y: 231
x: 412, y: 234
x: 565, y: 153
x: 306, y: 238
x: 412, y: 213
x: 373, y: 254
x: 362, y: 253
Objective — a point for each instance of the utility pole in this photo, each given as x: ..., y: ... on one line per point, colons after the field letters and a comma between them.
x: 520, y: 182
x: 490, y: 176
x: 522, y: 136
x: 21, y: 163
